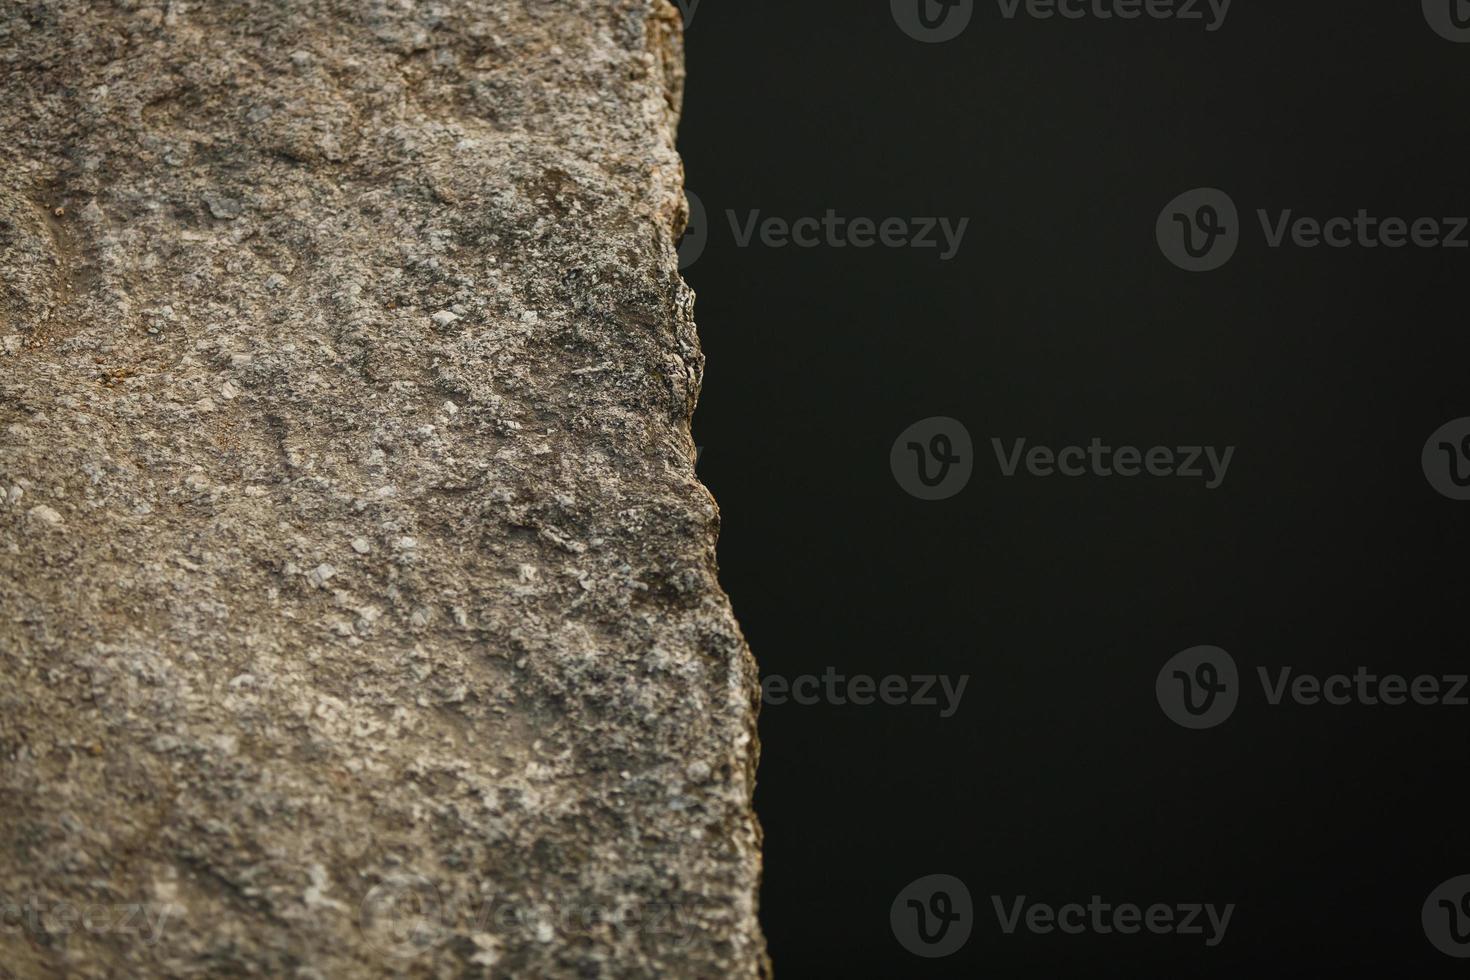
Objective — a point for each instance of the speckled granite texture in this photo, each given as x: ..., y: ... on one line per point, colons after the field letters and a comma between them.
x: 358, y: 601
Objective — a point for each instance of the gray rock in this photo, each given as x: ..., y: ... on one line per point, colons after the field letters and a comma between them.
x: 45, y: 514
x: 222, y: 207
x: 516, y: 740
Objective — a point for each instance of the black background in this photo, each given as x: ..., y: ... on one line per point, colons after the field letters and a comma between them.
x: 1060, y: 320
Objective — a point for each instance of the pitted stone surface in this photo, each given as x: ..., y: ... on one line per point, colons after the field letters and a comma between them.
x: 358, y: 601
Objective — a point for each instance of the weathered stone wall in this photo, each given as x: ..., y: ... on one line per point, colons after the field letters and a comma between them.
x: 358, y: 608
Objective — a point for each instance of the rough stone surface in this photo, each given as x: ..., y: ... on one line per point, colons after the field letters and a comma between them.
x: 358, y: 601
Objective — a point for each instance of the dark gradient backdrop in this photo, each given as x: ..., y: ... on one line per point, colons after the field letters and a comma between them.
x: 1060, y: 320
